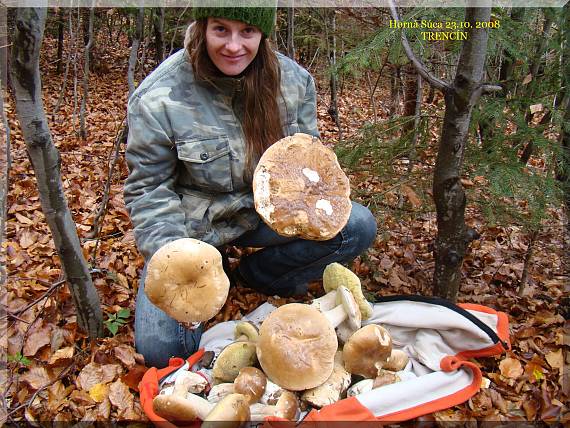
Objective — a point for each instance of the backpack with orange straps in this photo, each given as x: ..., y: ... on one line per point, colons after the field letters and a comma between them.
x: 439, y: 337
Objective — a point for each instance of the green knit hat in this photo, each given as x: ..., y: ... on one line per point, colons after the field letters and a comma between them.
x: 261, y: 17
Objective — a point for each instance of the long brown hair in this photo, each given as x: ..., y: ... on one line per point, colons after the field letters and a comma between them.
x: 260, y: 120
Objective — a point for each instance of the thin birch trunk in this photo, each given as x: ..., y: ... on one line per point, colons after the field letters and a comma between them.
x: 82, y: 130
x: 46, y: 162
x: 290, y: 32
x: 158, y: 35
x: 134, y: 51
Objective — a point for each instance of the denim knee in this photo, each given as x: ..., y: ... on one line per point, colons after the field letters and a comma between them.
x: 360, y: 230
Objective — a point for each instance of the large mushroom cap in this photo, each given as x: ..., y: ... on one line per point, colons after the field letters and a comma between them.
x: 367, y: 350
x: 296, y: 347
x: 300, y: 190
x: 186, y: 280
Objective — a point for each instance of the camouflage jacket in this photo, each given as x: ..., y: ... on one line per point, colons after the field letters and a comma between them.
x: 186, y: 153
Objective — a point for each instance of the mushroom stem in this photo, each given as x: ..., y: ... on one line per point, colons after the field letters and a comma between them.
x: 326, y: 302
x: 287, y: 407
x: 180, y: 405
x: 347, y: 309
x: 336, y: 316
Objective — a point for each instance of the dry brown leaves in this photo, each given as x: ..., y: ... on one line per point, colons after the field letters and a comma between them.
x: 55, y: 373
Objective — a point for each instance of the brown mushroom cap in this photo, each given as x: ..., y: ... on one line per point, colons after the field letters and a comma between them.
x: 367, y: 350
x: 300, y: 190
x: 186, y: 280
x: 250, y: 382
x: 296, y: 347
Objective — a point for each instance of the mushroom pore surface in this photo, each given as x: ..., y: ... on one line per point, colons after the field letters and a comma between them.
x: 300, y: 189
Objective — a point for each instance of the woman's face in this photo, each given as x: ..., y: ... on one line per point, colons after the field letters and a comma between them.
x: 231, y: 45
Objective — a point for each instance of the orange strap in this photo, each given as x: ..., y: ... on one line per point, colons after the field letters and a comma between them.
x: 148, y: 386
x: 347, y: 410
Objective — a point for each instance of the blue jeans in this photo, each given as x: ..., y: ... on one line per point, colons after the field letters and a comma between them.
x: 283, y: 267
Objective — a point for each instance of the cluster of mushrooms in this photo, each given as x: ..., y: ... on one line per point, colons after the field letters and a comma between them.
x: 303, y: 356
x: 293, y: 361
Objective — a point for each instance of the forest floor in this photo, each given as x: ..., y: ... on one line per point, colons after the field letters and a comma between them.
x: 55, y: 373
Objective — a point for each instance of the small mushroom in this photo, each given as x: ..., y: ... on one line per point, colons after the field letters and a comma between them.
x: 185, y: 279
x: 181, y: 406
x: 296, y: 347
x: 336, y: 275
x: 230, y: 412
x: 332, y: 389
x: 237, y: 355
x: 287, y: 407
x: 367, y: 350
x: 397, y: 361
x: 246, y: 331
x: 250, y: 382
x: 232, y: 359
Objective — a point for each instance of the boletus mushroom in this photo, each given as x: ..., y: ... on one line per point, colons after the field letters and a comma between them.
x: 300, y: 190
x: 336, y: 275
x: 238, y: 354
x: 186, y: 280
x: 296, y: 347
x: 367, y: 350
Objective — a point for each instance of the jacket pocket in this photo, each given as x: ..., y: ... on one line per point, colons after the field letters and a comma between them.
x: 208, y: 162
x: 195, y: 208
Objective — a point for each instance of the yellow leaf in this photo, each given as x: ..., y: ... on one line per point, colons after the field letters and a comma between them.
x: 99, y: 392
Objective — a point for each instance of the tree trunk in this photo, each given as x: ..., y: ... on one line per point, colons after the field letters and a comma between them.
x: 290, y: 32
x: 333, y: 106
x: 4, y: 176
x: 531, y: 89
x: 410, y: 94
x: 158, y: 35
x: 134, y: 51
x: 453, y: 235
x: 60, y: 33
x: 86, y: 62
x: 508, y: 63
x: 395, y: 90
x: 563, y: 170
x: 46, y: 162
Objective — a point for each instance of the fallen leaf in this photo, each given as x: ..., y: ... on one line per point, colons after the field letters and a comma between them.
x: 126, y: 354
x: 94, y: 373
x: 24, y: 220
x: 511, y: 368
x: 122, y: 398
x: 555, y: 359
x: 37, y: 377
x: 61, y: 356
x: 99, y: 392
x: 411, y: 195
